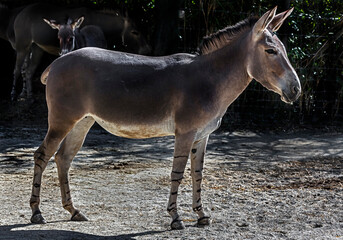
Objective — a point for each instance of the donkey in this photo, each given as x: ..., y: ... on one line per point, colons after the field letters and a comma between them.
x: 180, y: 95
x: 7, y: 18
x: 32, y: 34
x: 72, y: 38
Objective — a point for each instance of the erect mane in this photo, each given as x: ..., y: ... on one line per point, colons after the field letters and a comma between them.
x: 224, y: 36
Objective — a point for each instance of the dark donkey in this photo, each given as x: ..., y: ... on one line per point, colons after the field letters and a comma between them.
x: 7, y: 18
x: 137, y: 96
x: 29, y: 28
x: 72, y: 38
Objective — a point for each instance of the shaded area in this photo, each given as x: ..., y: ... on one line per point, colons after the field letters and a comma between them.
x: 14, y: 232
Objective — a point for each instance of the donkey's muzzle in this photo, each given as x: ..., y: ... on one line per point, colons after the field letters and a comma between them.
x: 296, y: 91
x: 292, y: 93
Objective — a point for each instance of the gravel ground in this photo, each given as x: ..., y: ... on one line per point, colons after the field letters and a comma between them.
x: 256, y: 186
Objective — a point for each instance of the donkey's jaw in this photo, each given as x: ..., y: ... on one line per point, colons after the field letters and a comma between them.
x: 285, y: 99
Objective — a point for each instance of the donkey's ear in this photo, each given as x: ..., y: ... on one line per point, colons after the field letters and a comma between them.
x: 77, y: 23
x: 264, y: 21
x: 279, y: 19
x: 52, y: 23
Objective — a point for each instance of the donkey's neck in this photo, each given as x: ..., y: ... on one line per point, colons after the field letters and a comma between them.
x: 80, y: 41
x: 227, y: 66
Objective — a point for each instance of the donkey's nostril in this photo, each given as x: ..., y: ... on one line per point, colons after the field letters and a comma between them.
x: 295, y: 89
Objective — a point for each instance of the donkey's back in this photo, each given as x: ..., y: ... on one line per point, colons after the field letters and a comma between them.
x: 129, y: 95
x: 92, y: 36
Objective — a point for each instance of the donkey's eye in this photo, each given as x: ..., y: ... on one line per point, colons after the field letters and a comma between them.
x: 271, y: 51
x: 135, y: 33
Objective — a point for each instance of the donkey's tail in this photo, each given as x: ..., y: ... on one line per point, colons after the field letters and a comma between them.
x: 45, y: 75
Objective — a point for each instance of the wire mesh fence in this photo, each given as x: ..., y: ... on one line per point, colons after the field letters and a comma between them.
x: 312, y: 25
x: 312, y: 36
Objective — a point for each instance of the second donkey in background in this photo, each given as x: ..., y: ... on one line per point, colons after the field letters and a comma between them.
x: 71, y: 37
x: 33, y: 36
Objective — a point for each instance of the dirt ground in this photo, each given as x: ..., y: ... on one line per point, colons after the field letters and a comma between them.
x: 283, y: 185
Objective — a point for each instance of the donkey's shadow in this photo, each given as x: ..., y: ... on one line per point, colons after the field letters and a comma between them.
x: 11, y: 232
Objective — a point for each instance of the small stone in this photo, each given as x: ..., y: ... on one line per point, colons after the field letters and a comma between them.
x: 317, y: 225
x: 242, y: 224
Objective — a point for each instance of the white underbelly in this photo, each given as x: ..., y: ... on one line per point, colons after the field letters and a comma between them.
x: 164, y: 128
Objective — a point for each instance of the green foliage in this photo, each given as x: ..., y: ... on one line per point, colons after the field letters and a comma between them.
x: 312, y: 25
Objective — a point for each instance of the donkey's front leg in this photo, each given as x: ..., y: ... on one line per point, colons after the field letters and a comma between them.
x: 197, y: 163
x: 183, y: 144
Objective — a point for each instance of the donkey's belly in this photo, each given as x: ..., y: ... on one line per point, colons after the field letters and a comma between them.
x: 50, y: 49
x: 165, y: 128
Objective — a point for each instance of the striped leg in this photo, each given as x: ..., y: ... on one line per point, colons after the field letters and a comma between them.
x: 23, y: 71
x: 197, y: 163
x: 69, y: 147
x: 33, y: 61
x: 183, y: 144
x: 41, y: 157
x: 17, y: 71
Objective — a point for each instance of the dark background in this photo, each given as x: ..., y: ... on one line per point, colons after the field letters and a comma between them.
x: 312, y: 36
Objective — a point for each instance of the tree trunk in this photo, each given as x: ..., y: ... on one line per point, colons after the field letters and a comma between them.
x: 167, y: 28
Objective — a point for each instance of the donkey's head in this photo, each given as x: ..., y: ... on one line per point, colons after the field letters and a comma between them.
x: 66, y: 33
x: 132, y: 39
x: 267, y: 58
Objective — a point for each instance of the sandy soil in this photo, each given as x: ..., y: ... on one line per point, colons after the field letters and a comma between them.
x: 256, y: 186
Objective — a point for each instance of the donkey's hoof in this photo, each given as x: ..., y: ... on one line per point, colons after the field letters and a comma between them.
x: 204, y: 221
x: 38, y: 219
x: 13, y: 97
x: 79, y: 217
x: 177, y: 225
x: 22, y: 95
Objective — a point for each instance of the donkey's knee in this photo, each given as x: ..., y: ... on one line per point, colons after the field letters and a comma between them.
x: 40, y: 159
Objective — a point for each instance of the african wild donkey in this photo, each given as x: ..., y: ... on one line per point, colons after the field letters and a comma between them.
x: 7, y: 18
x: 32, y: 34
x: 72, y: 38
x: 137, y: 96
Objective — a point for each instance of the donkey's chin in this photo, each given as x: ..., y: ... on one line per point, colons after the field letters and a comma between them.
x: 289, y: 100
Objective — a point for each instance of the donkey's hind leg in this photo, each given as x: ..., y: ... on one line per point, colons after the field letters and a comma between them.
x: 33, y: 59
x: 42, y: 156
x: 64, y: 156
x: 21, y: 55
